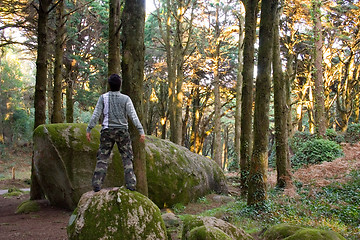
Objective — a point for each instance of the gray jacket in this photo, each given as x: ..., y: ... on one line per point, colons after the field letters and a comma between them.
x: 116, y: 107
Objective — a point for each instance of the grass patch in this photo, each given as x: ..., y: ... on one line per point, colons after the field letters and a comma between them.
x: 335, y: 207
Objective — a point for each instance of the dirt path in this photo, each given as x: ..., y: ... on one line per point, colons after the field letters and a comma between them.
x: 49, y: 223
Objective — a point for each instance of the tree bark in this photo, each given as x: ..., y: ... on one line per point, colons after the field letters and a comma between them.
x: 132, y: 65
x: 114, y: 62
x: 40, y: 85
x: 251, y: 10
x: 57, y: 114
x: 239, y: 83
x: 217, y: 101
x: 320, y: 120
x: 258, y: 167
x: 281, y: 113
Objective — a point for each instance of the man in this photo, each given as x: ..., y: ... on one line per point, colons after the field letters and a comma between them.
x: 116, y: 108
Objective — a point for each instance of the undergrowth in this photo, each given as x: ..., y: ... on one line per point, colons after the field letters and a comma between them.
x: 335, y: 207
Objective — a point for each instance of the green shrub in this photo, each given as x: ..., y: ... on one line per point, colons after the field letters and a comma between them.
x: 352, y: 134
x: 332, y: 135
x: 299, y: 139
x: 316, y: 151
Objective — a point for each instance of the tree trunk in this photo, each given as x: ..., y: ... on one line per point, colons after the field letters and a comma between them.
x: 194, y: 138
x: 57, y: 113
x: 114, y: 63
x: 40, y: 85
x: 179, y: 65
x: 70, y: 78
x: 289, y: 79
x: 281, y: 113
x: 310, y: 111
x: 251, y: 10
x: 239, y: 83
x: 320, y: 120
x: 132, y: 65
x: 217, y: 101
x: 259, y: 160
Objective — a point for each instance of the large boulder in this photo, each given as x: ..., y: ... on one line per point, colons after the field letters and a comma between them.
x: 198, y: 227
x: 64, y: 162
x: 116, y: 214
x: 294, y: 232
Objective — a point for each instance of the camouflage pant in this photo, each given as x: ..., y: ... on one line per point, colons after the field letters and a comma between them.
x: 122, y: 139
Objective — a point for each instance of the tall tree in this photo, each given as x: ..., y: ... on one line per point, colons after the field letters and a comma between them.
x: 281, y: 112
x: 251, y: 10
x: 57, y: 114
x: 239, y: 83
x: 114, y: 63
x: 217, y: 101
x: 132, y: 65
x: 320, y: 121
x: 40, y: 85
x: 258, y: 166
x: 176, y: 38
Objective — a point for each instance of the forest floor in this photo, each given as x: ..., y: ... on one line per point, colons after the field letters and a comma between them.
x: 50, y: 222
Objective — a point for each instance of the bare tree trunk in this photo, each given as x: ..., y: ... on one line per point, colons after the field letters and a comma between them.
x: 57, y: 114
x: 281, y: 113
x: 258, y: 167
x: 70, y: 81
x: 239, y: 83
x: 290, y: 77
x: 133, y: 74
x: 320, y: 120
x: 171, y: 76
x: 251, y: 10
x: 217, y: 101
x: 40, y: 85
x: 310, y: 111
x: 114, y: 63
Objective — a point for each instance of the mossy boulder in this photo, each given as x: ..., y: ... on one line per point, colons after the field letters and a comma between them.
x: 27, y: 207
x: 293, y: 232
x: 208, y: 233
x: 211, y: 226
x: 64, y: 163
x: 118, y: 214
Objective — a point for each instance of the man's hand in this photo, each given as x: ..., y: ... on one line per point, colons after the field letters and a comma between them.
x: 88, y: 136
x: 142, y: 138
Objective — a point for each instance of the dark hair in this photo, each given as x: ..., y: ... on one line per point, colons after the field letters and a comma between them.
x: 114, y: 82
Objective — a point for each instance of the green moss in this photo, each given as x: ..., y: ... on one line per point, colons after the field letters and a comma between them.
x: 294, y: 232
x: 315, y: 234
x: 13, y: 192
x: 27, y: 207
x: 174, y: 174
x: 116, y: 214
x: 40, y: 131
x: 281, y: 231
x: 190, y: 222
x: 210, y: 233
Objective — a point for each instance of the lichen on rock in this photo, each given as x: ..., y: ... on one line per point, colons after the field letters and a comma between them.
x: 287, y: 231
x: 208, y: 233
x: 28, y: 206
x: 64, y: 162
x: 191, y: 222
x: 116, y: 214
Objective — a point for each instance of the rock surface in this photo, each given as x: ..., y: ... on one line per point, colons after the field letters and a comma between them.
x: 293, y: 232
x: 64, y: 163
x: 116, y: 214
x: 197, y: 227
